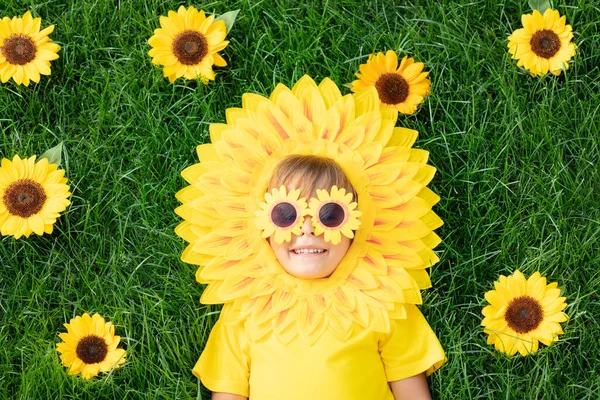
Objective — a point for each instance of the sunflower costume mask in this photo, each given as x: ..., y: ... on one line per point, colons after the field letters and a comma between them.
x: 384, y: 269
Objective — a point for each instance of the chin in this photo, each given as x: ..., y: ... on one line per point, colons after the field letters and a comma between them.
x: 309, y: 274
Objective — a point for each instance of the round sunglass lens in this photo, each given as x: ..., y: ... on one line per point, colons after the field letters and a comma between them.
x: 283, y: 215
x: 331, y: 215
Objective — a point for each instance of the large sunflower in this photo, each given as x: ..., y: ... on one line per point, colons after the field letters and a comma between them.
x: 399, y: 87
x: 187, y: 44
x: 543, y: 44
x: 90, y: 346
x: 25, y: 51
x: 522, y: 313
x: 385, y: 265
x: 32, y: 195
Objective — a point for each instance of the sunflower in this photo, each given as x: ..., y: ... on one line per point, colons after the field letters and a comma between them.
x: 399, y: 87
x: 543, y: 44
x: 275, y: 200
x: 343, y: 200
x: 385, y: 266
x: 32, y: 194
x: 522, y: 313
x: 25, y: 51
x: 90, y: 346
x: 187, y: 44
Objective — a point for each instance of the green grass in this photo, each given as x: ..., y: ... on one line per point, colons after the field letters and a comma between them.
x: 517, y: 173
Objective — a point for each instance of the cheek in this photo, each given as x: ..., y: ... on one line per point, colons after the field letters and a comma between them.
x: 339, y: 251
x: 280, y: 250
x: 344, y: 246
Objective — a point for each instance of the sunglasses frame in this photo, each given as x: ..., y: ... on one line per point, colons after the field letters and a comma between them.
x: 302, y: 209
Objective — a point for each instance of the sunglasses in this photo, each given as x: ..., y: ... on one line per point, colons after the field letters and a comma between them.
x: 332, y: 213
x: 285, y: 214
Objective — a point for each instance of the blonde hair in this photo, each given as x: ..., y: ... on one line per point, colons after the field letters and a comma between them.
x: 310, y: 173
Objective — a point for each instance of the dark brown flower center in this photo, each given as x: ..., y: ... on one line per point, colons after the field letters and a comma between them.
x: 190, y: 47
x: 24, y: 198
x: 92, y: 349
x: 524, y: 314
x: 545, y: 43
x: 392, y: 88
x: 19, y: 49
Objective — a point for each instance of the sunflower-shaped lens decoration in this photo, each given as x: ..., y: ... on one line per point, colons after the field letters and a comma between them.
x: 399, y: 87
x: 25, y: 51
x: 282, y: 214
x: 187, y: 44
x: 334, y: 214
x: 543, y: 44
x: 522, y: 313
x: 90, y: 346
x: 32, y: 196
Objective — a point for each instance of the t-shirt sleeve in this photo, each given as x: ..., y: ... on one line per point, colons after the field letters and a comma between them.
x: 411, y: 347
x: 224, y: 365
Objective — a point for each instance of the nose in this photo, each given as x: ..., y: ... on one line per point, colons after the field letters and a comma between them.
x: 307, y: 227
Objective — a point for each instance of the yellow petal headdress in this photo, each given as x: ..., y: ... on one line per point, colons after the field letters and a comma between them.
x: 385, y: 265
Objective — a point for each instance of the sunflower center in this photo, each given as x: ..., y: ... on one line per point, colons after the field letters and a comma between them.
x: 24, y: 198
x: 524, y: 314
x: 190, y: 47
x: 545, y: 43
x: 92, y: 349
x: 19, y: 49
x: 392, y: 88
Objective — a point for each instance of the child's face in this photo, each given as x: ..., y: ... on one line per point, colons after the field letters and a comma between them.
x: 308, y: 256
x: 319, y: 263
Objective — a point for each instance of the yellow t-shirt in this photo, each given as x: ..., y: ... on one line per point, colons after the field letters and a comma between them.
x: 358, y: 368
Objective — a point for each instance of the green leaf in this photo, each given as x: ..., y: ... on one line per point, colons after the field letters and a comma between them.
x: 54, y: 154
x: 229, y: 18
x: 540, y: 5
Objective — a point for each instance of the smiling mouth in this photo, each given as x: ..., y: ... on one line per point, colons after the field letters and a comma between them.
x: 308, y: 251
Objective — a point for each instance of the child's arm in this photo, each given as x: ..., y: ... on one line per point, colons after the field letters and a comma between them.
x: 227, y: 396
x: 413, y: 388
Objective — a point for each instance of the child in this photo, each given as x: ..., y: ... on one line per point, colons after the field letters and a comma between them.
x: 311, y: 222
x: 358, y: 368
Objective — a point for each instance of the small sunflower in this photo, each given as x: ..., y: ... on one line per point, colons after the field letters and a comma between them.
x: 25, y: 51
x: 187, y: 44
x: 338, y: 198
x: 279, y: 203
x: 90, y: 346
x: 399, y: 87
x: 522, y: 313
x: 543, y: 44
x: 32, y: 195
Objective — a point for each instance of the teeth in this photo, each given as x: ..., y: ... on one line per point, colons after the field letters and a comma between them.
x: 308, y: 251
